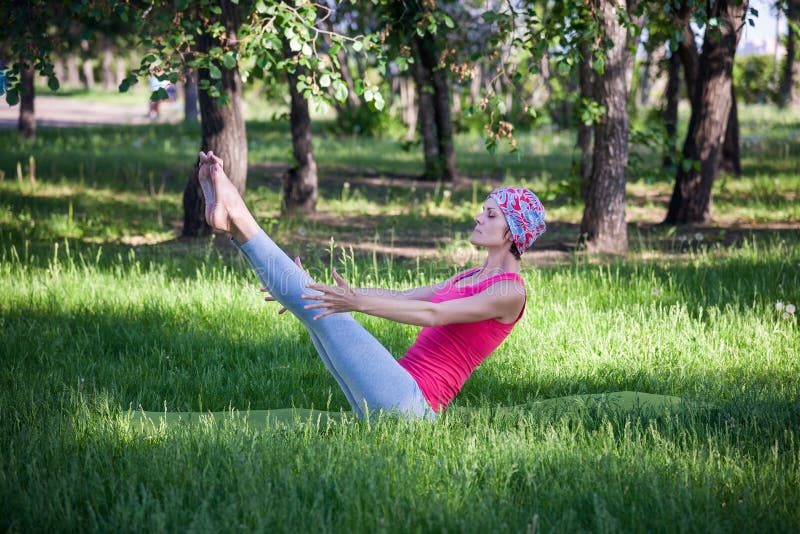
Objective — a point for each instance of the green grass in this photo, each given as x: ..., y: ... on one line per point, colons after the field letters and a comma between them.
x: 103, y: 314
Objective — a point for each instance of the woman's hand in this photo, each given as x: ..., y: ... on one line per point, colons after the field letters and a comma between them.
x: 335, y: 299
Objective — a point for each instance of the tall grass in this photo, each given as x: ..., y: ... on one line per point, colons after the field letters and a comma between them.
x: 103, y: 315
x: 89, y: 335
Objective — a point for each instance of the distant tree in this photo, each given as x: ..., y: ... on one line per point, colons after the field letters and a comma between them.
x: 222, y: 125
x: 417, y: 32
x: 789, y: 95
x: 28, y: 43
x: 300, y: 184
x: 226, y: 43
x: 603, y: 226
x: 691, y: 198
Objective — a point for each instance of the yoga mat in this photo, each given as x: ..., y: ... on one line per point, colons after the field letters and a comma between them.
x: 622, y: 401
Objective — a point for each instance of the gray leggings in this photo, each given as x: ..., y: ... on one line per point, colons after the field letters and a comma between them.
x: 367, y: 373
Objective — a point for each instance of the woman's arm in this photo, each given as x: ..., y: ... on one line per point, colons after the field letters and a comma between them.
x: 502, y: 301
x: 416, y: 293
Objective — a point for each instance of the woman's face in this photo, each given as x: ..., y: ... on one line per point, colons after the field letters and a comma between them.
x: 491, y: 228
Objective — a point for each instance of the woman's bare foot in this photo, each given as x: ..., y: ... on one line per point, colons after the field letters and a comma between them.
x: 205, y: 184
x: 225, y: 209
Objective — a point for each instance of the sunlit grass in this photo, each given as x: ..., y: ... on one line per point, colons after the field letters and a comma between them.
x: 103, y: 314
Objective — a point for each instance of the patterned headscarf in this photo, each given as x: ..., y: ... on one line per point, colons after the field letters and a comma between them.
x: 524, y: 213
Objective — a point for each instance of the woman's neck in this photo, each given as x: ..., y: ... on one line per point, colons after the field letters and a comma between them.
x: 499, y: 263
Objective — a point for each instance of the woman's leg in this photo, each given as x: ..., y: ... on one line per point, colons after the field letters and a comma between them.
x: 369, y: 376
x: 367, y: 373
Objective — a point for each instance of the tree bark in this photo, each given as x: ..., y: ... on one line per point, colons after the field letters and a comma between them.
x: 73, y: 73
x: 690, y: 59
x: 109, y: 80
x: 691, y: 199
x: 27, y: 117
x: 429, y: 57
x: 408, y: 106
x: 300, y: 188
x: 426, y: 121
x: 672, y: 96
x: 585, y: 83
x: 88, y: 74
x: 190, y: 96
x: 223, y: 127
x: 731, y: 161
x: 603, y: 227
x: 788, y: 95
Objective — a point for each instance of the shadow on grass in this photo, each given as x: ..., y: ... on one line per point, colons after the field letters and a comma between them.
x: 144, y: 356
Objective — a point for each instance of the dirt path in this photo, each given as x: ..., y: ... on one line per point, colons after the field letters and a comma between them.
x: 58, y: 111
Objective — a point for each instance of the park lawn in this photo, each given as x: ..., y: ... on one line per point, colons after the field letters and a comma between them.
x: 103, y: 314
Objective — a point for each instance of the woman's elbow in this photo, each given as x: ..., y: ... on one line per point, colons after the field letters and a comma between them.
x: 435, y: 317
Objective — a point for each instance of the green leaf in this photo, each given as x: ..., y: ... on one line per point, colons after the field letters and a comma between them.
x: 229, y: 61
x: 358, y: 46
x: 449, y: 22
x: 295, y: 45
x: 159, y: 94
x: 12, y: 97
x: 340, y: 90
x: 214, y: 72
x: 261, y: 7
x: 307, y: 51
x: 325, y: 80
x: 52, y: 83
x: 378, y: 102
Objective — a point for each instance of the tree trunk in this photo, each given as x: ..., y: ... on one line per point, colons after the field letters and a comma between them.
x: 120, y: 69
x: 109, y: 81
x: 300, y: 182
x: 87, y: 68
x: 73, y: 73
x: 672, y: 96
x: 223, y: 127
x: 189, y: 96
x: 731, y: 161
x: 690, y: 59
x: 426, y: 120
x: 408, y: 106
x: 475, y: 85
x: 585, y: 83
x: 603, y: 227
x: 58, y: 68
x: 27, y: 117
x: 691, y: 198
x: 429, y: 57
x: 788, y: 90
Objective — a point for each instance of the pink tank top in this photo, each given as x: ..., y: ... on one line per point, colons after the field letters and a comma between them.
x: 443, y: 357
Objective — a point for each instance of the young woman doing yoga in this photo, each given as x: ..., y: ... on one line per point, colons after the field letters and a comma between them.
x: 464, y: 318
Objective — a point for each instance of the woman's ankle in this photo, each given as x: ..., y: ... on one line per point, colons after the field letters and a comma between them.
x: 243, y: 226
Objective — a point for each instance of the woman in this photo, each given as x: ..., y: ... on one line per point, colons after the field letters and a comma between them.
x: 464, y: 318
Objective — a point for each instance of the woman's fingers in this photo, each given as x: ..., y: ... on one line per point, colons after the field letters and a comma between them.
x: 270, y: 298
x: 339, y: 280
